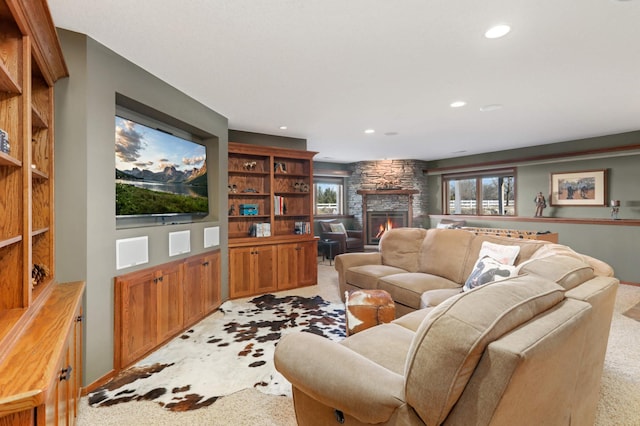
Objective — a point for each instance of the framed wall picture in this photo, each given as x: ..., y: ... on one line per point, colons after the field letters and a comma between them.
x: 585, y: 188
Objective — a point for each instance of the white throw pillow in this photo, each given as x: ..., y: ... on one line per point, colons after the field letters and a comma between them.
x: 444, y: 226
x: 487, y: 270
x: 338, y: 227
x: 504, y: 254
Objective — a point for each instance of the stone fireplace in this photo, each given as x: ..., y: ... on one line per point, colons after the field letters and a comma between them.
x: 380, y: 222
x: 387, y: 186
x: 384, y: 209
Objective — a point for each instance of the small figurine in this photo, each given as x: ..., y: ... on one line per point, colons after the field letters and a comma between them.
x: 541, y: 204
x: 232, y: 210
x: 232, y: 188
x: 249, y: 165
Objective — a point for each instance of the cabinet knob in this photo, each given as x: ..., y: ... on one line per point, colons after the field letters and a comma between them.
x: 65, y: 373
x: 79, y: 318
x: 206, y: 263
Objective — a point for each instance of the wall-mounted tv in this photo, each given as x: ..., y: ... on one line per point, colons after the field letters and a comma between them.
x: 157, y: 172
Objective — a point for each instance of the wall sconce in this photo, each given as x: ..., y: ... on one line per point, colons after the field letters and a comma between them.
x: 615, y: 209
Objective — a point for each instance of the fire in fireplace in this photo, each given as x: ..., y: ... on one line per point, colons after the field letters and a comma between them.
x: 380, y: 222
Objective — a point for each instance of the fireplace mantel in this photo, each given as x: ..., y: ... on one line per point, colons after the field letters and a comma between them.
x: 409, y: 193
x: 387, y: 191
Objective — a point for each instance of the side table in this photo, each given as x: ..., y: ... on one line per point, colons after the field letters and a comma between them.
x: 328, y: 248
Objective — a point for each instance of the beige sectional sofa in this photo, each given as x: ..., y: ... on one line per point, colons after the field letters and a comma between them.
x: 526, y: 350
x: 412, y: 261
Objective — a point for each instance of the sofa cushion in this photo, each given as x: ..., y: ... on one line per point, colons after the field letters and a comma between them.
x: 366, y: 276
x: 400, y: 247
x: 384, y: 344
x: 451, y: 339
x: 338, y: 227
x: 406, y: 288
x: 488, y: 270
x: 564, y: 270
x: 445, y: 253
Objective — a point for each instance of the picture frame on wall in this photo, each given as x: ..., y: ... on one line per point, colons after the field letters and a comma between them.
x: 582, y: 188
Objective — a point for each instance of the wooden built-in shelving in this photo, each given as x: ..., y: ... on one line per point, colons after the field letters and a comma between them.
x: 39, y: 332
x: 278, y: 182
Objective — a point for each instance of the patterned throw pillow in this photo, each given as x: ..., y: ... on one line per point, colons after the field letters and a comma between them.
x: 487, y: 270
x: 504, y: 254
x: 338, y: 227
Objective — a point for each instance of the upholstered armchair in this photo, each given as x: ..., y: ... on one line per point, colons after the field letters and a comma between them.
x: 348, y: 240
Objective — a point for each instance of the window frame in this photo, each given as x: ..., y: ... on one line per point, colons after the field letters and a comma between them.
x: 479, y: 175
x: 340, y: 196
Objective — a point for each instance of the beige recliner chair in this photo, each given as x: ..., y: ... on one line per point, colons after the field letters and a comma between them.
x: 507, y: 353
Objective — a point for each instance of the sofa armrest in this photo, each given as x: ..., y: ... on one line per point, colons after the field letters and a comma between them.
x: 339, y: 378
x: 354, y: 233
x: 348, y: 260
x: 435, y: 297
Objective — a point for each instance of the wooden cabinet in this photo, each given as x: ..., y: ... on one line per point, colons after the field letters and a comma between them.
x: 252, y: 270
x: 201, y: 292
x: 297, y: 264
x: 150, y: 303
x: 40, y: 373
x: 155, y: 304
x: 270, y: 219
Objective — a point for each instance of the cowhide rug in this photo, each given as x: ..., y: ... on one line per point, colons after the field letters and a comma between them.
x: 220, y: 356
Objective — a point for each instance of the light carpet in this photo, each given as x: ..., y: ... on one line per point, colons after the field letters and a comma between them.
x: 619, y: 404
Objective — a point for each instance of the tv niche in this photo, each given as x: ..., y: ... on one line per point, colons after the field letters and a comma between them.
x: 158, y: 173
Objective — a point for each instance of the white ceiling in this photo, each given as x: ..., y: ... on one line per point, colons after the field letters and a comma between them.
x: 329, y: 69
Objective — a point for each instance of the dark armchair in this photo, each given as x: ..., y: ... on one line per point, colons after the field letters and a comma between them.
x: 348, y: 240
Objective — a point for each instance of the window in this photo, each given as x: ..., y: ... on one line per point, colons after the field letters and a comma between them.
x: 487, y: 193
x: 328, y: 196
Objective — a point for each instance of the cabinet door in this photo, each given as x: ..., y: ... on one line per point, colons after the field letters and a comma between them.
x: 287, y: 266
x: 307, y: 263
x: 265, y: 273
x: 211, y: 282
x: 193, y: 291
x: 76, y: 385
x: 240, y: 272
x: 169, y: 302
x: 138, y: 328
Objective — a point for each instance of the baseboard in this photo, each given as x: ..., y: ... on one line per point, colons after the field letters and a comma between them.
x: 97, y: 383
x: 630, y: 283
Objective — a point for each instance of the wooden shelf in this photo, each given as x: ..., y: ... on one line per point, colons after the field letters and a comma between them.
x: 39, y: 231
x: 38, y: 174
x: 38, y: 120
x: 9, y: 241
x: 248, y: 194
x: 8, y: 84
x: 8, y: 160
x: 248, y: 172
x: 577, y: 221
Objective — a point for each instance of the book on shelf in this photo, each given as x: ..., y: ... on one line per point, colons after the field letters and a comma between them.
x: 279, y: 206
x: 301, y: 228
x: 262, y: 229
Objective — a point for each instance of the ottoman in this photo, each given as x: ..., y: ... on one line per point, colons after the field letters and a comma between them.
x: 367, y: 308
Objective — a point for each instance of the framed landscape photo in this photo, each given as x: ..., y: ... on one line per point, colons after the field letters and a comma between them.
x: 585, y: 188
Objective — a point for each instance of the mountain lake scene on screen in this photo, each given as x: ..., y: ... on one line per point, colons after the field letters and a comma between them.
x: 158, y: 173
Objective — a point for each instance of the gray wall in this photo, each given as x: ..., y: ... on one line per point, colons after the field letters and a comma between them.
x: 613, y: 243
x: 84, y: 182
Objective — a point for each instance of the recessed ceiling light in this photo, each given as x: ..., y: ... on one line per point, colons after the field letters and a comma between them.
x: 283, y: 127
x: 369, y: 131
x: 497, y: 31
x: 457, y: 104
x: 490, y: 107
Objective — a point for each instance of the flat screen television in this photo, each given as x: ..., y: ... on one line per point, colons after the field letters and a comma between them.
x: 158, y: 173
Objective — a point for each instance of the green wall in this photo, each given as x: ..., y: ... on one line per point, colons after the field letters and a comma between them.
x: 86, y: 231
x: 617, y: 245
